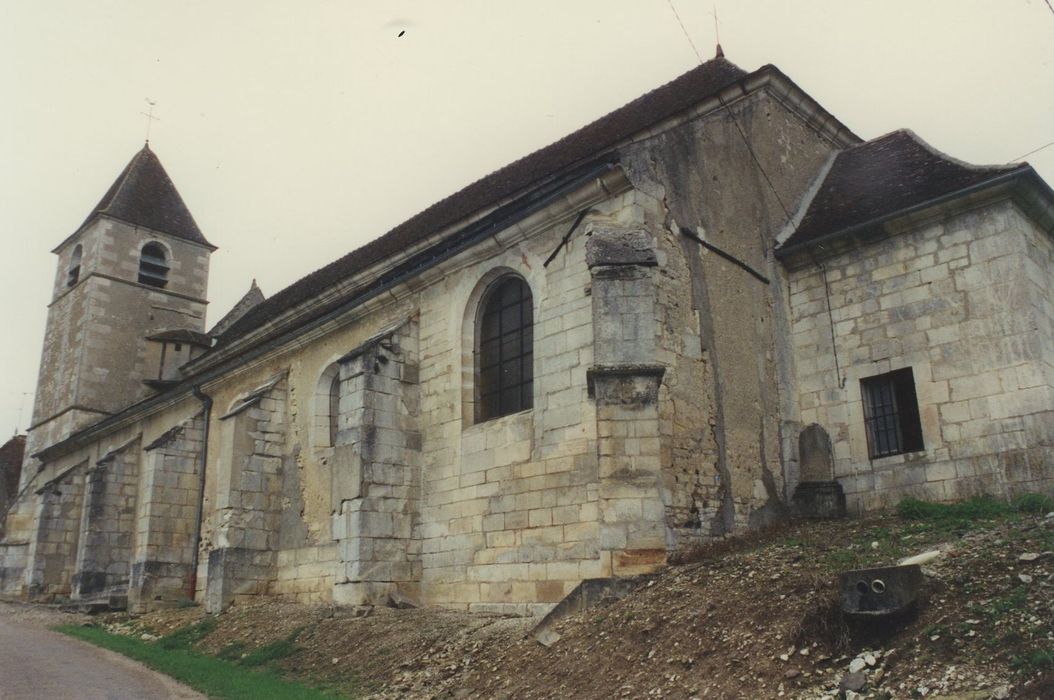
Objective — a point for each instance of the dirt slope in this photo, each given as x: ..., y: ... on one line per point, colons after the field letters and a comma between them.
x: 750, y: 618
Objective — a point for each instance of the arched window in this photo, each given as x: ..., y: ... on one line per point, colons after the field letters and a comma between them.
x: 327, y: 407
x: 74, y: 273
x: 334, y: 409
x: 505, y: 350
x: 153, y: 265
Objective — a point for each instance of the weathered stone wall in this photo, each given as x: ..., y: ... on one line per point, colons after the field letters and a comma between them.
x: 721, y: 329
x: 376, y: 481
x: 965, y: 302
x: 166, y: 517
x: 509, y: 514
x: 95, y: 355
x: 108, y: 524
x: 243, y: 528
x: 53, y: 549
x: 655, y: 417
x: 307, y: 574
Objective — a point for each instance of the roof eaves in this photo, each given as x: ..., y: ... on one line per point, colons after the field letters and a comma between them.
x: 95, y: 216
x: 786, y: 253
x: 203, y: 377
x: 381, y: 276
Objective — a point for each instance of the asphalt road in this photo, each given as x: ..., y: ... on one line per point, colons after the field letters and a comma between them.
x: 38, y: 664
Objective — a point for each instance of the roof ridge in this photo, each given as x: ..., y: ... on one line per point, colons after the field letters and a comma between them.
x: 123, y: 177
x: 593, y: 138
x: 952, y: 159
x: 885, y: 177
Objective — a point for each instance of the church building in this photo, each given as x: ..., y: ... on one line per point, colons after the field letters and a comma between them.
x: 707, y: 310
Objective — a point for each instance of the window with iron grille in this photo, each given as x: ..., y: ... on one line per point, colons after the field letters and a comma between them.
x: 891, y: 412
x: 505, y: 350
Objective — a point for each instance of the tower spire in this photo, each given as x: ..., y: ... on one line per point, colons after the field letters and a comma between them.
x: 717, y: 34
x: 150, y: 118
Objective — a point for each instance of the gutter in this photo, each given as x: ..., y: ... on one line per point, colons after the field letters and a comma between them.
x: 1006, y: 178
x: 199, y: 512
x: 480, y: 230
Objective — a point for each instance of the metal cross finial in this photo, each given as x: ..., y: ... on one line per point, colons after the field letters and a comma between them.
x: 150, y: 117
x: 717, y: 28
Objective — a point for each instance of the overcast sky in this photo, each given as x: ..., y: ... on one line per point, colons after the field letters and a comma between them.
x: 297, y: 131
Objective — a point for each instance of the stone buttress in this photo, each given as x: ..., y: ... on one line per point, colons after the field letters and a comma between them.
x: 247, y: 511
x: 625, y: 381
x: 376, y: 470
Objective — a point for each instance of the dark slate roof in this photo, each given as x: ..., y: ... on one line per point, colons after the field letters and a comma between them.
x: 143, y: 194
x: 882, y: 178
x: 250, y: 299
x: 669, y: 100
x: 183, y: 335
x: 11, y: 452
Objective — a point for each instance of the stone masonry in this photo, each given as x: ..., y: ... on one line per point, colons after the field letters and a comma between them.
x: 168, y: 501
x: 700, y: 288
x: 376, y: 481
x: 963, y: 303
x: 248, y: 505
x: 108, y: 523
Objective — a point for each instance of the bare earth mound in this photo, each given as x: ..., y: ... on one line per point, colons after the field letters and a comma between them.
x: 748, y: 618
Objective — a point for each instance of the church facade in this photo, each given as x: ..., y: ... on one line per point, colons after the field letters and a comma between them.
x: 652, y: 332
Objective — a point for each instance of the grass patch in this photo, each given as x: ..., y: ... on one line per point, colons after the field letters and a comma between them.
x: 272, y: 652
x: 1033, y: 503
x: 233, y: 651
x: 1016, y: 599
x: 1034, y: 660
x: 212, y: 676
x: 186, y: 637
x: 976, y: 508
x: 979, y: 508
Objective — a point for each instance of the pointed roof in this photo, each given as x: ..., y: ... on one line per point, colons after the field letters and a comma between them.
x: 248, y: 301
x: 143, y: 194
x: 883, y: 178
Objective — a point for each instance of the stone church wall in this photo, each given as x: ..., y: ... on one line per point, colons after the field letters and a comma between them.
x: 107, y: 525
x: 348, y: 464
x: 509, y: 513
x: 965, y: 303
x: 166, y: 516
x: 721, y: 327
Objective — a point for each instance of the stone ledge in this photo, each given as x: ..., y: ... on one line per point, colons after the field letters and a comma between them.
x: 629, y: 383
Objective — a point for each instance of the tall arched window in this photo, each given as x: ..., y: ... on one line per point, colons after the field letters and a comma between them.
x: 74, y: 273
x: 327, y: 407
x: 505, y: 350
x: 334, y: 409
x: 153, y: 265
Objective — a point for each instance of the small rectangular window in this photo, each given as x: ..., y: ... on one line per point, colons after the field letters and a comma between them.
x: 891, y: 413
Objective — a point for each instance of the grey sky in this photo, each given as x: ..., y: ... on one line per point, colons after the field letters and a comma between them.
x: 298, y: 131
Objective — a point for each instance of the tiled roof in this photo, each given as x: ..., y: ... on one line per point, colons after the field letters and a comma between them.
x: 881, y: 178
x: 143, y: 194
x: 669, y: 100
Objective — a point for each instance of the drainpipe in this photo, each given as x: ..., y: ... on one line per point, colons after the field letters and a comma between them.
x: 206, y: 404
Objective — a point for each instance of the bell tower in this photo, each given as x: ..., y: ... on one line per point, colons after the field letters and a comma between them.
x: 137, y: 266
